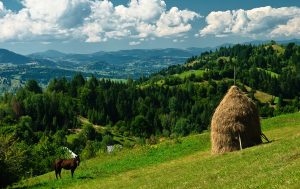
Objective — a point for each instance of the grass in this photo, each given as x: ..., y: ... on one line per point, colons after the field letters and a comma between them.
x: 183, y: 75
x: 261, y: 96
x: 118, y: 80
x: 282, y: 121
x: 71, y: 138
x: 187, y: 74
x: 100, y: 129
x: 278, y: 49
x: 273, y: 74
x: 224, y: 58
x: 188, y: 164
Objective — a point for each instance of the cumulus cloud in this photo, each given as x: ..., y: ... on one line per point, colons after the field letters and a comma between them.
x: 3, y: 11
x: 291, y: 28
x: 178, y: 40
x: 1, y: 6
x: 262, y: 21
x: 41, y: 20
x: 139, y: 19
x: 92, y: 20
x: 174, y: 21
x: 134, y: 43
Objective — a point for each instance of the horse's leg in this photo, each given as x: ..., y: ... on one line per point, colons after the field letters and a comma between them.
x: 72, y: 172
x: 56, y: 173
x: 59, y: 171
x: 56, y: 169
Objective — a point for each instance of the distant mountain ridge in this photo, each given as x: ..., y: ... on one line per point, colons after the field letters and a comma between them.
x: 47, y: 54
x: 133, y: 52
x: 7, y: 56
x: 15, y: 68
x: 44, y: 66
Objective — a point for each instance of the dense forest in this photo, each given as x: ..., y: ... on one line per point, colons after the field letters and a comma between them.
x: 35, y: 123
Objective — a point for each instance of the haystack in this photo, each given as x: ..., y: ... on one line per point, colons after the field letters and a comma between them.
x: 235, y: 123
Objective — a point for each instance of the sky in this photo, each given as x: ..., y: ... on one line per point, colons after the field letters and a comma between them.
x: 86, y: 26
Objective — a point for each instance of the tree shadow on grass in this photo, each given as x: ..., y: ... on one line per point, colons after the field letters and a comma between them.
x: 85, y: 177
x: 37, y: 185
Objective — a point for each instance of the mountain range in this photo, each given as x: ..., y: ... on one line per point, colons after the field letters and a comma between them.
x: 43, y: 66
x: 16, y: 69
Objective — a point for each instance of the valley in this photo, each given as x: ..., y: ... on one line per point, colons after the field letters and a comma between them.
x: 17, y: 69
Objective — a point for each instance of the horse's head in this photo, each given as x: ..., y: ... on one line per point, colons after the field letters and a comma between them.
x: 77, y: 160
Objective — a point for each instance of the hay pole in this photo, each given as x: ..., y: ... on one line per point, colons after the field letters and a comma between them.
x: 240, y: 141
x: 234, y: 72
x: 265, y: 137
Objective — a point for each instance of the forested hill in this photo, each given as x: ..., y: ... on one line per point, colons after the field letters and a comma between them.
x: 272, y: 68
x: 177, y: 101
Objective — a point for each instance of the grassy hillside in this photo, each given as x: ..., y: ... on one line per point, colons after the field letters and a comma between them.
x: 187, y: 163
x: 116, y: 136
x: 189, y: 73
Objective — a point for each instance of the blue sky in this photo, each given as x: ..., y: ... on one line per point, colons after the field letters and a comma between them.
x: 84, y: 26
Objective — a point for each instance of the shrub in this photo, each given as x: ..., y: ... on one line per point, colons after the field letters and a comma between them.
x: 89, y: 151
x: 181, y: 127
x: 13, y: 160
x: 152, y: 140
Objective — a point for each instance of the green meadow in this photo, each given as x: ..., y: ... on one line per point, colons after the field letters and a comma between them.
x: 187, y: 163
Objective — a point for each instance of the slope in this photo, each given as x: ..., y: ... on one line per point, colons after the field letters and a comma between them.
x: 187, y: 163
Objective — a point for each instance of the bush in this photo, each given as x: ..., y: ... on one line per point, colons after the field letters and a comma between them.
x: 13, y: 160
x: 89, y: 151
x: 140, y: 126
x: 78, y: 143
x: 59, y: 138
x: 128, y: 144
x: 152, y: 140
x: 45, y: 152
x: 89, y: 132
x: 165, y: 133
x: 141, y: 141
x: 181, y: 127
x: 107, y: 141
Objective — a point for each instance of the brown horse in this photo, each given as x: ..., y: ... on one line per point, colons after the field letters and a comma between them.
x: 68, y: 164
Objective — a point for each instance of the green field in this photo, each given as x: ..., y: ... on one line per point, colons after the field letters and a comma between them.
x: 279, y: 49
x: 183, y: 75
x: 273, y: 74
x: 262, y: 96
x: 188, y: 163
x: 187, y: 74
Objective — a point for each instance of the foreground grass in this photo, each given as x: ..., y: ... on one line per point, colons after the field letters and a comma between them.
x: 189, y: 164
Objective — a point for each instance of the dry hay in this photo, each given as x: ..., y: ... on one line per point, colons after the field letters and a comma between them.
x: 235, y: 116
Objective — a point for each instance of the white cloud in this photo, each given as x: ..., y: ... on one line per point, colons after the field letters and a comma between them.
x: 45, y: 42
x: 174, y: 22
x: 291, y: 28
x: 134, y: 43
x: 92, y: 20
x: 139, y: 19
x: 257, y: 22
x: 178, y: 40
x: 42, y: 20
x: 3, y: 11
x: 1, y: 7
x: 143, y: 10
